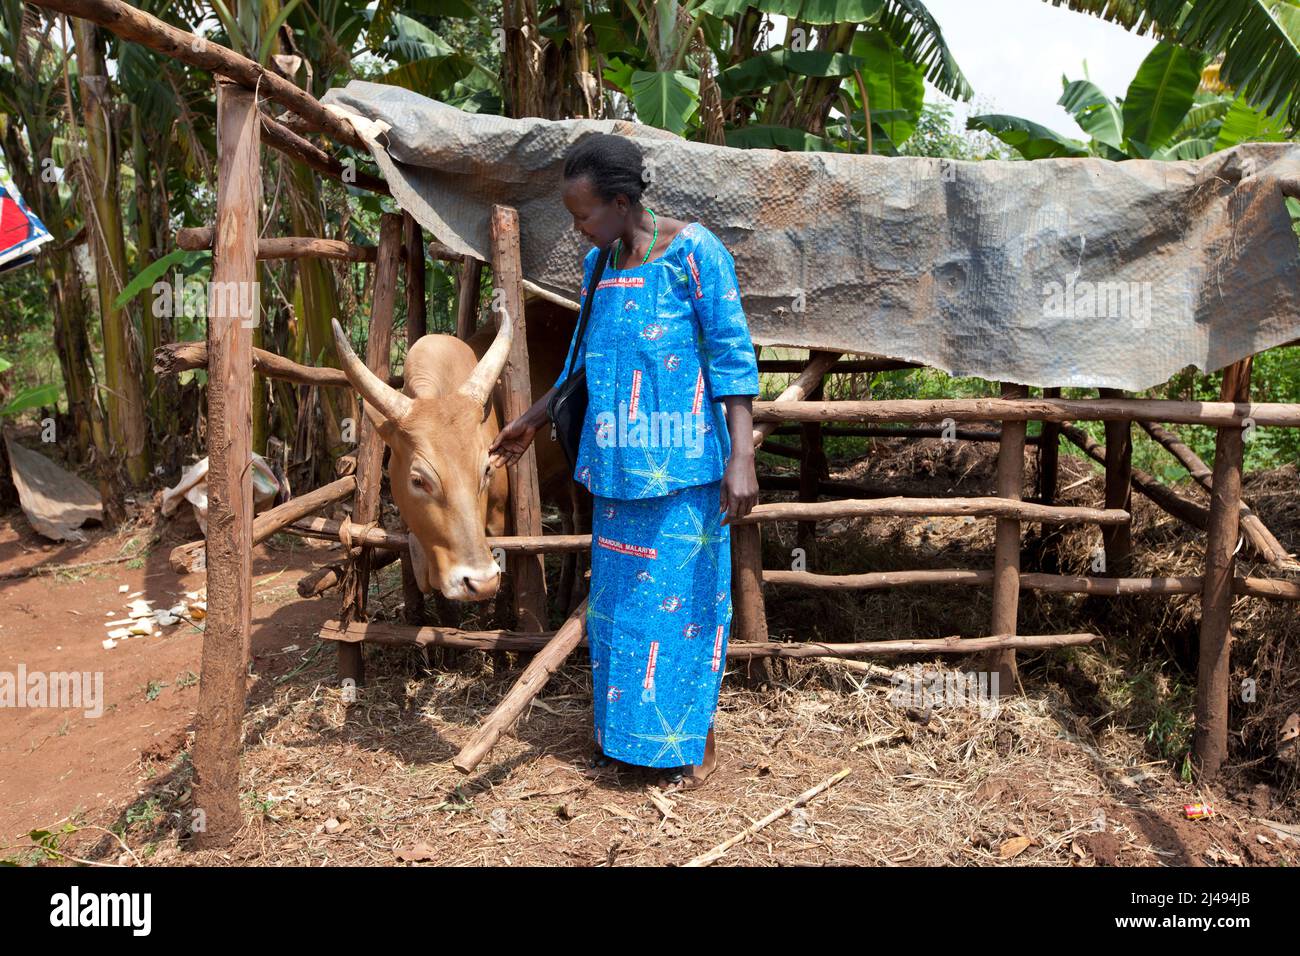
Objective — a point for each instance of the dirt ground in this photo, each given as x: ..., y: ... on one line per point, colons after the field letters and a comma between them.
x: 1050, y: 778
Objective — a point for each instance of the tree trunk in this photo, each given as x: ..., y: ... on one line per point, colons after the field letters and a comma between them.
x: 124, y: 397
x: 320, y: 303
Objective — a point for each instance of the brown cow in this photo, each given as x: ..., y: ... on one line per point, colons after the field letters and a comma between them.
x: 439, y: 428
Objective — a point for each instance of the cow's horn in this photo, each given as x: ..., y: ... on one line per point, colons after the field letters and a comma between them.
x: 386, y: 399
x: 483, y: 379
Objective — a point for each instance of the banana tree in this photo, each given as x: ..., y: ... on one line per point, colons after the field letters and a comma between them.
x: 1166, y: 114
x: 1259, y: 41
x: 97, y: 182
x: 863, y: 59
x: 31, y: 62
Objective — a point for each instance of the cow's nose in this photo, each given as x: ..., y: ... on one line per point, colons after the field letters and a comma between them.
x: 482, y: 585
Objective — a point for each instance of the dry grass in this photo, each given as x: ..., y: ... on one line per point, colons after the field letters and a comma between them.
x: 1083, y: 767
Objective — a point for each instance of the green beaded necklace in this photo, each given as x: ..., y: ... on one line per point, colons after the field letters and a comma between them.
x: 653, y: 238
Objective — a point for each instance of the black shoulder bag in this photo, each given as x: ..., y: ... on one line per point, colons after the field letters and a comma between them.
x: 567, y: 408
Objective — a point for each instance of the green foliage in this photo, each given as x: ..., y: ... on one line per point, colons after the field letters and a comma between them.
x: 156, y: 270
x: 1026, y: 137
x: 895, y: 85
x: 29, y: 398
x: 806, y: 93
x: 667, y: 99
x: 1259, y: 40
x: 937, y: 136
x: 1162, y: 116
x: 1159, y: 96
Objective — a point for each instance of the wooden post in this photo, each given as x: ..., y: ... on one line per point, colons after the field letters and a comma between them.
x: 749, y: 615
x: 217, y: 817
x: 517, y: 395
x: 467, y: 288
x: 1118, y: 539
x: 1006, y: 555
x: 370, y: 447
x: 1049, y: 446
x: 812, y: 469
x: 416, y: 327
x: 1210, y: 741
x: 1261, y: 539
x: 416, y: 304
x: 525, y: 690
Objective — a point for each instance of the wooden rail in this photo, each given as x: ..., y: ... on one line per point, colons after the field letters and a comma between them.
x: 1219, y: 414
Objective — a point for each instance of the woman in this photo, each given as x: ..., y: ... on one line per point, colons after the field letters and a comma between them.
x: 667, y: 347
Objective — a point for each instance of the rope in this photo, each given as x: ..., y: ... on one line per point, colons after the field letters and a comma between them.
x: 347, y: 528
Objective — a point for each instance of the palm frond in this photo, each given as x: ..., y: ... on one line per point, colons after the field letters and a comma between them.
x: 910, y: 25
x: 1260, y: 40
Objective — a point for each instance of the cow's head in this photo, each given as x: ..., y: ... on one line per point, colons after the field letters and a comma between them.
x: 439, y: 469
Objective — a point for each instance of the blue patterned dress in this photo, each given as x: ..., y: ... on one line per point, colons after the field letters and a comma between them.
x: 665, y: 341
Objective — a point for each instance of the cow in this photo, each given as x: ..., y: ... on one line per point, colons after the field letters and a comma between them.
x: 438, y: 429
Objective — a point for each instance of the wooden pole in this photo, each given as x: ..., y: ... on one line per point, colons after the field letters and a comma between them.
x: 516, y: 397
x: 370, y: 447
x: 176, y: 357
x: 193, y: 556
x: 927, y: 431
x: 539, y: 670
x: 1117, y: 540
x: 283, y: 247
x: 1261, y: 539
x: 328, y: 530
x: 224, y: 668
x: 1058, y: 583
x: 1006, y: 554
x: 796, y: 391
x: 1186, y: 511
x: 749, y: 613
x: 1049, y: 455
x: 468, y: 278
x: 405, y: 635
x: 844, y: 367
x: 1263, y: 414
x: 812, y: 469
x: 416, y: 328
x: 416, y: 303
x: 303, y: 151
x: 979, y: 507
x: 1210, y: 740
x: 327, y: 576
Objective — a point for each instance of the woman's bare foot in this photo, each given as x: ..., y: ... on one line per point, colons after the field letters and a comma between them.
x: 692, y: 777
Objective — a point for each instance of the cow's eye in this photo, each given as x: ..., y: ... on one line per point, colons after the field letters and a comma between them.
x: 416, y: 483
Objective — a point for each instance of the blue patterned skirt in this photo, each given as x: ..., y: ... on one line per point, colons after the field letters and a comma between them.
x: 658, y: 618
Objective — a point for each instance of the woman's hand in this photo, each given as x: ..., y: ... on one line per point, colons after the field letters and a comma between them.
x: 739, y: 481
x: 739, y: 485
x: 513, y: 440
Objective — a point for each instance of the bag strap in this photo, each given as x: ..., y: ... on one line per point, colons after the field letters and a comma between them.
x: 601, y: 261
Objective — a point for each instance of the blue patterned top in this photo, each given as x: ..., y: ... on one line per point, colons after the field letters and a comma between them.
x: 665, y: 341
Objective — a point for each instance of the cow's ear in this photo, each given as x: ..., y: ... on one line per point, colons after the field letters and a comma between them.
x: 421, y: 566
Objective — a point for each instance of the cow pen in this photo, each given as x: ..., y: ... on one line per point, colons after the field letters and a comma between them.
x: 246, y: 90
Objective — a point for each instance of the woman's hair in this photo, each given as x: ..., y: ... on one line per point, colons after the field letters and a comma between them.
x: 612, y: 163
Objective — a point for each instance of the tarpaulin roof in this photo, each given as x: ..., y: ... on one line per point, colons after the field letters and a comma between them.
x: 1081, y: 272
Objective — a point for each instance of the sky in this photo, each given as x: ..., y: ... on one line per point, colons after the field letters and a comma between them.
x: 1013, y: 53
